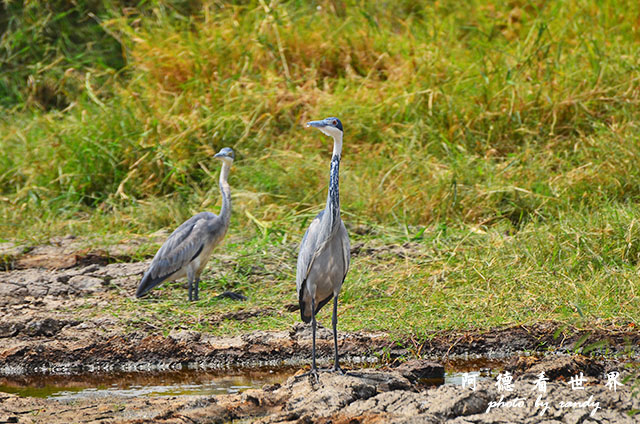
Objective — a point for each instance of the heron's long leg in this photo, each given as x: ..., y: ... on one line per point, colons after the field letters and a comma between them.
x: 314, y: 369
x: 313, y: 333
x: 190, y: 278
x: 196, y: 288
x: 334, y: 321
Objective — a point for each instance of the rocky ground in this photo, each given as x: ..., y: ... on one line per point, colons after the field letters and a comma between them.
x: 50, y: 322
x: 363, y: 396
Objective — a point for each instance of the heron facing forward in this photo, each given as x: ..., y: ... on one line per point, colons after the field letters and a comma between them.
x: 323, y: 260
x: 187, y: 250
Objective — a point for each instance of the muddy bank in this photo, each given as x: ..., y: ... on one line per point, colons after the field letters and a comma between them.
x: 52, y: 320
x: 86, y: 346
x: 94, y: 352
x: 362, y: 396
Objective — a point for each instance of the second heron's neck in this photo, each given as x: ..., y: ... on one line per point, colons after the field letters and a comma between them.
x: 333, y: 198
x: 225, y: 190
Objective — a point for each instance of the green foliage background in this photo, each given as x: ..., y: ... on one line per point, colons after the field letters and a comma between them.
x: 501, y: 136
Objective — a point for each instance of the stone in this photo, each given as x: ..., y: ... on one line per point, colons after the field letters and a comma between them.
x: 84, y: 284
x: 421, y: 369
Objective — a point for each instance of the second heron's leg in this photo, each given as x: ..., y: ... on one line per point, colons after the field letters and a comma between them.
x: 313, y: 335
x: 197, y: 288
x: 334, y: 321
x: 190, y: 279
x: 314, y: 369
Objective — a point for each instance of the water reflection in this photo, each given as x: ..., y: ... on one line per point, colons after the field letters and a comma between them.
x: 174, y: 383
x: 194, y: 382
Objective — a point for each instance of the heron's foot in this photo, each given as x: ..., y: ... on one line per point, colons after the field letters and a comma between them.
x: 312, y: 374
x: 339, y: 370
x: 334, y: 370
x: 193, y: 296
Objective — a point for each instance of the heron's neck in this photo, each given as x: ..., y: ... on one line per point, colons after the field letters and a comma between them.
x: 333, y: 198
x: 225, y: 190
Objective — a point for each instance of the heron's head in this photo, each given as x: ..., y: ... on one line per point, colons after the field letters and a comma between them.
x: 226, y: 155
x: 329, y: 126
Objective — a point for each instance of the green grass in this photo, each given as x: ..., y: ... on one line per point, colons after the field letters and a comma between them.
x: 500, y: 140
x: 446, y: 278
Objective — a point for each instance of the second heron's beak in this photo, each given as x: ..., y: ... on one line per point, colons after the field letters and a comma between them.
x: 317, y: 124
x: 218, y: 155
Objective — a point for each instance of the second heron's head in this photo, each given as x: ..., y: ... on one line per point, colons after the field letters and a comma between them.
x: 329, y: 126
x: 226, y: 155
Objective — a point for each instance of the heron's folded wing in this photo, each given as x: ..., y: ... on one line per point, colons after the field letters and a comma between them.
x: 308, y: 250
x: 346, y: 249
x: 182, y: 246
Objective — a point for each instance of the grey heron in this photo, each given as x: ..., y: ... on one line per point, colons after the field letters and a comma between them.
x: 187, y: 250
x: 323, y: 260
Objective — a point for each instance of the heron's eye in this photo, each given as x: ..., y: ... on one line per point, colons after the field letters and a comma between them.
x: 335, y: 122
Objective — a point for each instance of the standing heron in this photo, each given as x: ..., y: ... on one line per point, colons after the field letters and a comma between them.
x: 187, y: 250
x: 323, y: 260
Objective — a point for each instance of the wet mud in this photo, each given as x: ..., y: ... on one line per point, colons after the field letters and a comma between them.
x: 51, y: 324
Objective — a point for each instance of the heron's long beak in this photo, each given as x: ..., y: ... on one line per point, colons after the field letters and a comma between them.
x: 317, y: 124
x: 218, y: 155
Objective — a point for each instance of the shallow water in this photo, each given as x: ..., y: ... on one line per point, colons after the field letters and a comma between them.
x: 171, y: 383
x: 483, y: 368
x: 193, y: 382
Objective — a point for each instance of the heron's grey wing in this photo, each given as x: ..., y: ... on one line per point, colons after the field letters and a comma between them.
x: 182, y: 246
x: 308, y: 248
x: 346, y: 248
x: 343, y: 249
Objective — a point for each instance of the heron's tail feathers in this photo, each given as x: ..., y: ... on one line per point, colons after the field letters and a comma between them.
x: 147, y: 283
x: 305, y: 308
x: 305, y: 319
x: 305, y: 313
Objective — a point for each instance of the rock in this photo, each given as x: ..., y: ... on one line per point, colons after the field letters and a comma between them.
x: 555, y: 367
x: 382, y: 380
x: 10, y: 329
x: 451, y: 401
x: 10, y: 290
x: 65, y: 252
x: 311, y: 401
x: 302, y: 332
x: 8, y: 253
x: 421, y: 369
x: 185, y: 336
x: 48, y: 261
x: 57, y: 288
x: 395, y: 403
x: 90, y: 269
x: 38, y: 282
x: 122, y: 269
x: 37, y: 290
x: 84, y: 284
x: 47, y: 327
